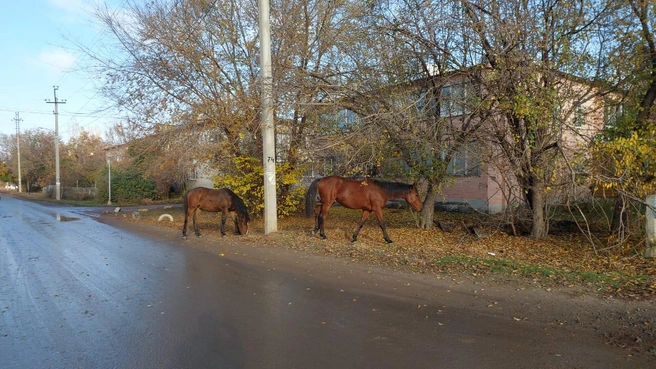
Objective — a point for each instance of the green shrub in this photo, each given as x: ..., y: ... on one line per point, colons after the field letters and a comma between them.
x: 247, y: 181
x: 128, y: 186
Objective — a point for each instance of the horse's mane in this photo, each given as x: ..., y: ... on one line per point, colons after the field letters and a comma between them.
x: 239, y: 205
x: 394, y: 188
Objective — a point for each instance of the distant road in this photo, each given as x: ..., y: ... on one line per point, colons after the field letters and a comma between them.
x: 79, y: 293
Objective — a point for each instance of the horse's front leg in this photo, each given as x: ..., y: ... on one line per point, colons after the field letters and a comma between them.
x: 365, y: 215
x: 381, y: 223
x: 224, y: 215
x: 235, y: 217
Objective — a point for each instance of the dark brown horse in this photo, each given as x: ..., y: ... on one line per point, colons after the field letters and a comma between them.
x: 368, y: 195
x: 223, y: 200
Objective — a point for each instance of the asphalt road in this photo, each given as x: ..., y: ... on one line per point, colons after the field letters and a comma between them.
x: 76, y: 292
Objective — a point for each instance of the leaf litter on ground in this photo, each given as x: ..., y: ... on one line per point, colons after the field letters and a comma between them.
x: 563, y: 259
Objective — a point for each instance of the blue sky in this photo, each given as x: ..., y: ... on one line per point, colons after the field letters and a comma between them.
x: 37, y: 54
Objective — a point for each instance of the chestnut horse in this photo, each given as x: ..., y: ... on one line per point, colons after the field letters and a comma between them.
x: 223, y: 200
x: 367, y: 195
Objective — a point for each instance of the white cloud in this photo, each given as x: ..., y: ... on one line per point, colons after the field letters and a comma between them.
x: 70, y: 6
x: 56, y: 60
x: 73, y: 11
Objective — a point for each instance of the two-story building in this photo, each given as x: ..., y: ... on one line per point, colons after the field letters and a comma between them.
x: 479, y: 177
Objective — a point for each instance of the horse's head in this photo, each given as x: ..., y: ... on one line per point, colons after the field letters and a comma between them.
x: 242, y: 224
x: 413, y: 199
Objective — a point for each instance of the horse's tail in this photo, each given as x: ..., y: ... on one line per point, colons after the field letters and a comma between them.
x: 311, y: 198
x: 185, y: 207
x: 185, y: 204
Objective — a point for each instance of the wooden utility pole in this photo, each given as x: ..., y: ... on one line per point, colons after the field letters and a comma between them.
x: 268, y: 129
x: 56, y: 102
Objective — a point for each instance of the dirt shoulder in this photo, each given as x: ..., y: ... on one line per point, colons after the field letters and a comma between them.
x: 627, y: 323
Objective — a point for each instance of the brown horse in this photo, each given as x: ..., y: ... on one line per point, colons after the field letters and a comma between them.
x: 223, y: 200
x: 368, y: 195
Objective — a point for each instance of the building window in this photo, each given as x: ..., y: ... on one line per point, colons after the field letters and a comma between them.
x: 193, y: 174
x: 579, y: 117
x: 453, y: 99
x: 466, y: 162
x: 425, y: 103
x: 348, y: 116
x: 611, y: 114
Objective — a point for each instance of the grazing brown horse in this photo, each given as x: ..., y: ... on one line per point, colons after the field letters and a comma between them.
x: 223, y: 200
x: 368, y: 195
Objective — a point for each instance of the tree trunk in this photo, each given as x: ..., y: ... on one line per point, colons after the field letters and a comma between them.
x: 536, y: 197
x: 620, y: 219
x: 426, y: 221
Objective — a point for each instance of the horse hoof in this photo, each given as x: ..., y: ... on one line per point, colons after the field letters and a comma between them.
x: 389, y: 241
x: 184, y: 237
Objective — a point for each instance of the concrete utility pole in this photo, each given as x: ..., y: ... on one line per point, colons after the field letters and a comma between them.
x: 650, y: 226
x: 268, y: 129
x: 17, y: 119
x: 56, y: 102
x: 109, y: 179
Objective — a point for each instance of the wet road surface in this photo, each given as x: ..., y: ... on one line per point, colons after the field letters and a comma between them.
x: 79, y: 293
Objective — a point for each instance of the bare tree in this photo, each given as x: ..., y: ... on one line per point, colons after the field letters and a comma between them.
x: 532, y: 49
x: 630, y: 65
x: 37, y: 158
x: 188, y: 72
x: 84, y: 160
x: 433, y: 55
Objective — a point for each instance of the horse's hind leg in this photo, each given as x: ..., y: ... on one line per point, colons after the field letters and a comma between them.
x: 196, y: 229
x: 365, y: 215
x: 321, y: 217
x: 317, y: 212
x: 184, y: 227
x: 189, y: 213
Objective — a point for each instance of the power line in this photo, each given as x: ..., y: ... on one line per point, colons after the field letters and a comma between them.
x: 64, y: 114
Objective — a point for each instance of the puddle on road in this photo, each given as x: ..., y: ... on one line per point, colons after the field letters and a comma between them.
x: 63, y: 218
